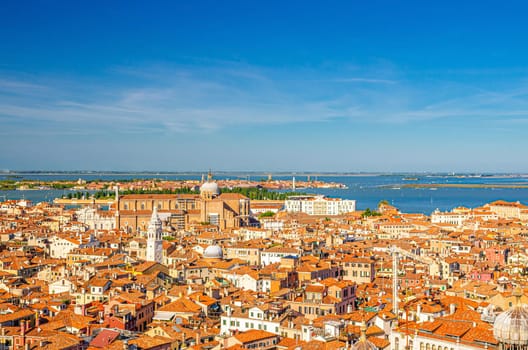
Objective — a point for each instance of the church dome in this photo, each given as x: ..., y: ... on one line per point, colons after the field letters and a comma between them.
x: 363, y: 343
x: 511, y: 327
x: 213, y: 252
x: 210, y: 187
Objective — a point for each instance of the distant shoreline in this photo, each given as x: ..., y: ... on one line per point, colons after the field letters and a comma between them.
x: 264, y: 174
x: 463, y: 186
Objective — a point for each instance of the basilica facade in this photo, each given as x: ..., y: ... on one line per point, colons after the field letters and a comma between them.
x: 225, y: 210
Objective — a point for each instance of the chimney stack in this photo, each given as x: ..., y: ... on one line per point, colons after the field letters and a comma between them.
x: 23, y: 332
x: 349, y: 308
x: 37, y: 321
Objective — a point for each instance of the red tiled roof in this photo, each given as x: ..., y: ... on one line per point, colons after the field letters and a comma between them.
x: 105, y: 338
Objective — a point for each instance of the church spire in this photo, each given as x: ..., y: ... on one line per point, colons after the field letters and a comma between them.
x: 154, y: 240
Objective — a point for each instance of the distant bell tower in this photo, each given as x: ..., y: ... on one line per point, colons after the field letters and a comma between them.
x: 154, y: 240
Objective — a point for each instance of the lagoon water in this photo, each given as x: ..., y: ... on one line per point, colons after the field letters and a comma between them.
x: 367, y: 190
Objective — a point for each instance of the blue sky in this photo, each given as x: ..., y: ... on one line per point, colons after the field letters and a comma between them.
x: 271, y: 85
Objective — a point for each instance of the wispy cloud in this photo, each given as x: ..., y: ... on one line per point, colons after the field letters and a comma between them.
x: 19, y: 86
x: 175, y: 99
x: 362, y: 80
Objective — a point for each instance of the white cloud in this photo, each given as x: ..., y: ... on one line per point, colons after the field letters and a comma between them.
x: 172, y: 99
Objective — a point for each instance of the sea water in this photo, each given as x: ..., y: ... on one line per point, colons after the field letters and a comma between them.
x: 367, y: 190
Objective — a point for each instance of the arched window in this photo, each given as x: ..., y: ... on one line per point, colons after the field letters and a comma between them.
x: 422, y: 346
x: 428, y: 346
x: 396, y: 343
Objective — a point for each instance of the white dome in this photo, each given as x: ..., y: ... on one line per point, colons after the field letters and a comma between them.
x: 210, y: 187
x: 511, y: 327
x: 213, y: 252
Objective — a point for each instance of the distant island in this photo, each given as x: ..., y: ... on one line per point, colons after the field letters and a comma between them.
x: 156, y: 184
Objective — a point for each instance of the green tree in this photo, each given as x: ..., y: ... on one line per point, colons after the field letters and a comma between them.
x: 368, y: 213
x: 266, y: 214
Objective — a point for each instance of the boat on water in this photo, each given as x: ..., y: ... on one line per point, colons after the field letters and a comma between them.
x: 410, y: 179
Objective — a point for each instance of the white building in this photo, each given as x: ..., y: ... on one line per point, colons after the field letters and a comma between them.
x: 62, y: 286
x: 275, y: 254
x: 319, y: 205
x: 96, y: 219
x: 272, y: 224
x: 245, y: 280
x: 60, y: 247
x: 459, y: 216
x: 246, y: 319
x: 154, y: 240
x: 453, y: 218
x: 250, y: 233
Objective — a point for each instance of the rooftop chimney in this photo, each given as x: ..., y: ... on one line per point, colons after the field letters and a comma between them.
x: 37, y: 321
x: 23, y: 332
